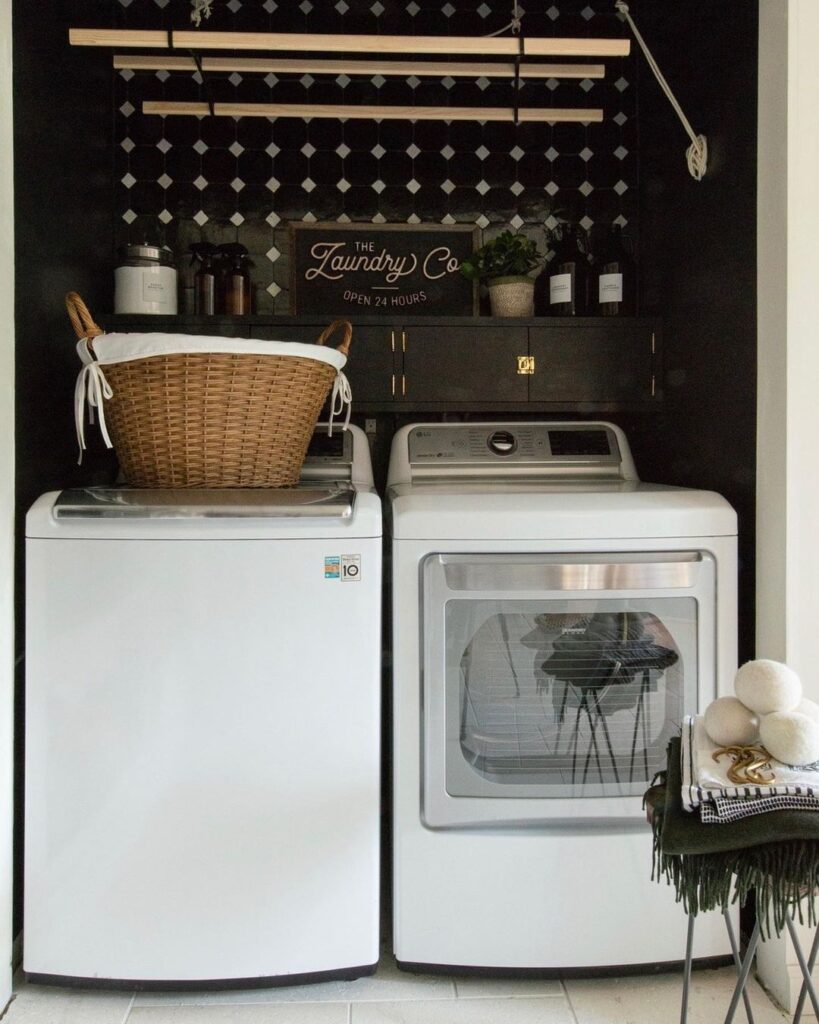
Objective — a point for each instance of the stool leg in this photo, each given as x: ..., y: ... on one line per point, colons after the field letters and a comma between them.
x: 803, y: 991
x: 800, y: 956
x: 742, y: 980
x: 749, y: 1013
x: 689, y: 947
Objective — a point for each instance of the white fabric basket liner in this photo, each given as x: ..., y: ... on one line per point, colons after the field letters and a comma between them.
x: 125, y: 348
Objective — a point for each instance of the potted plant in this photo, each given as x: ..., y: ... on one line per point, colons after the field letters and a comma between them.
x: 506, y: 264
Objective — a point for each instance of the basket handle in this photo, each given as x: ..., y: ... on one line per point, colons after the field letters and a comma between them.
x: 330, y: 329
x: 81, y: 319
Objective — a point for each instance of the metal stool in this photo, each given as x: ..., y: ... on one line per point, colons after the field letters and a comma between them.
x: 743, y: 967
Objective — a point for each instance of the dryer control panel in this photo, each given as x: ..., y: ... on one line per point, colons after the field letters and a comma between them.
x: 533, y: 444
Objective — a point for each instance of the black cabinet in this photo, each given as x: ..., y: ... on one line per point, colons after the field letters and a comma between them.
x: 462, y: 366
x: 470, y: 364
x: 225, y: 327
x: 594, y: 362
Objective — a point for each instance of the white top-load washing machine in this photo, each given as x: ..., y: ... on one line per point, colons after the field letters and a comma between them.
x: 553, y: 620
x: 203, y: 730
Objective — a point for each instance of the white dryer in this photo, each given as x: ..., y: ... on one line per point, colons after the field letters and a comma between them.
x: 203, y: 730
x: 553, y: 620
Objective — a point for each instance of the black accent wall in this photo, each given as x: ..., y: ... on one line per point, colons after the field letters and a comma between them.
x: 698, y: 254
x: 696, y: 241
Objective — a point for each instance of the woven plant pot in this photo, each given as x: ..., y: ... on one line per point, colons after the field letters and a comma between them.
x: 512, y: 296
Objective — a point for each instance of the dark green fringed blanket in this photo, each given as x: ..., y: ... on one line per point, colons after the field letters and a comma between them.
x: 714, y: 865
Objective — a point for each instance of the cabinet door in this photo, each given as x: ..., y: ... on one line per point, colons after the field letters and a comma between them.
x: 614, y: 362
x: 370, y: 362
x: 216, y: 326
x: 464, y: 365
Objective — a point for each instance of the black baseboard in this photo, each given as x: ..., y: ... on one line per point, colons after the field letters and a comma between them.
x: 550, y: 973
x: 209, y: 985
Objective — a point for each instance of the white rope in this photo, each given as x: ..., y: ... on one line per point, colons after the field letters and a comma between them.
x: 514, y: 24
x: 342, y: 396
x: 92, y: 388
x: 697, y: 152
x: 201, y: 9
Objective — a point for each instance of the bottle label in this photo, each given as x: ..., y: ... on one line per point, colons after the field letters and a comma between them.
x: 611, y: 288
x: 560, y: 288
x: 153, y: 289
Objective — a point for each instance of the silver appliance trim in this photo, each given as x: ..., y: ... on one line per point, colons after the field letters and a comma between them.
x: 487, y: 803
x: 336, y: 500
x: 540, y: 572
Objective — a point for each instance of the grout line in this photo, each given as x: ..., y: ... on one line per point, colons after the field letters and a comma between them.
x: 130, y: 1007
x: 569, y: 1001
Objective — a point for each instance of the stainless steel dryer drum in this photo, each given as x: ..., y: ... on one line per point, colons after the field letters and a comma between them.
x: 554, y: 618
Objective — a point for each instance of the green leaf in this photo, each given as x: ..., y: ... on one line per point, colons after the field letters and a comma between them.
x: 508, y: 255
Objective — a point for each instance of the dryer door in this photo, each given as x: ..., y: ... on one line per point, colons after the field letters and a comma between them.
x: 552, y: 683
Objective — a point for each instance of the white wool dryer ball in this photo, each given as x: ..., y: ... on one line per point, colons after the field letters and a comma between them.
x: 729, y: 723
x: 790, y: 737
x: 809, y: 708
x: 765, y: 686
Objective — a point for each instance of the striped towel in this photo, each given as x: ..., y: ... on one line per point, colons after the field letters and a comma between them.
x: 706, y: 780
x: 725, y: 809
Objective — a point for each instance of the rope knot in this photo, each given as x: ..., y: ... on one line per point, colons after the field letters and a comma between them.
x: 342, y: 398
x: 201, y: 9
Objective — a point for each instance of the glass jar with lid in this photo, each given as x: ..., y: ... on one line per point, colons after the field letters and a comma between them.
x: 145, y: 280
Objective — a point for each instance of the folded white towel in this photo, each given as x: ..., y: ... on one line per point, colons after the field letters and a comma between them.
x: 704, y: 779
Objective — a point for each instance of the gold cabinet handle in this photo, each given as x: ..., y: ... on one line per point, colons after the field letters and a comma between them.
x: 526, y: 364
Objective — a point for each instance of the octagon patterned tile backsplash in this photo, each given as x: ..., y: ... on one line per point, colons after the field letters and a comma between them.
x: 185, y: 179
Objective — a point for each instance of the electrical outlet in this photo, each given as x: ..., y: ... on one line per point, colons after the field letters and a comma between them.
x: 370, y: 426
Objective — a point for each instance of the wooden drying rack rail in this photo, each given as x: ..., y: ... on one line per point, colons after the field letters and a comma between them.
x: 516, y: 50
x: 540, y: 114
x: 507, y: 46
x: 428, y: 68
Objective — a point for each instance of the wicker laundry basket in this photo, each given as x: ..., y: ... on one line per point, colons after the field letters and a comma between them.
x: 242, y: 416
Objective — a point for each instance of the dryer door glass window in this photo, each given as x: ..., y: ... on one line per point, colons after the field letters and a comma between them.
x: 561, y: 696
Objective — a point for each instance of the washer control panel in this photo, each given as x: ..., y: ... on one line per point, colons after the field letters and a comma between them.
x: 513, y: 443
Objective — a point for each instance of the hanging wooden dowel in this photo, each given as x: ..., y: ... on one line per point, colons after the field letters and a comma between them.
x: 434, y: 69
x: 169, y: 108
x: 497, y: 46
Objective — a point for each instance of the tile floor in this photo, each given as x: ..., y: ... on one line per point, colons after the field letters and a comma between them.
x: 393, y: 997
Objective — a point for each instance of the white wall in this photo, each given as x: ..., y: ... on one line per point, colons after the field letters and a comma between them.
x: 6, y: 497
x: 788, y: 452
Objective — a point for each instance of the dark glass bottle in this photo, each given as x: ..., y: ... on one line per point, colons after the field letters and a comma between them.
x: 236, y: 281
x: 615, y: 277
x: 569, y: 274
x: 204, y: 281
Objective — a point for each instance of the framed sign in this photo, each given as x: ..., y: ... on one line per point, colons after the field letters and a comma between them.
x: 381, y: 269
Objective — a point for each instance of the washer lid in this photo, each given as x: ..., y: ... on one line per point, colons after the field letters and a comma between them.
x: 318, y: 510
x: 334, y: 499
